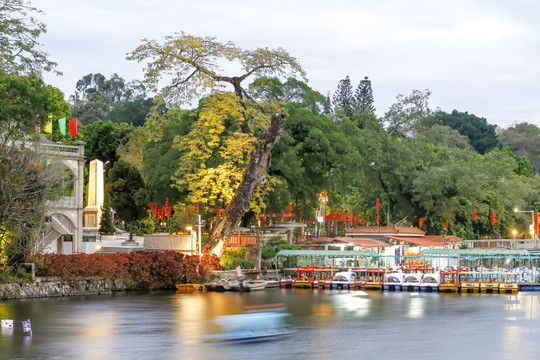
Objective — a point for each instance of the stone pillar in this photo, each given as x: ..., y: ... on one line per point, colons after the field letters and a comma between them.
x: 79, y: 185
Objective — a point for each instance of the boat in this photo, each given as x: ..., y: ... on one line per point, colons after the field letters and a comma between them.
x: 374, y: 278
x: 323, y: 277
x: 223, y: 285
x: 489, y: 281
x: 248, y: 286
x: 306, y: 276
x: 470, y: 281
x: 450, y: 280
x: 411, y: 281
x: 509, y: 283
x: 210, y: 286
x: 343, y: 280
x: 289, y: 277
x: 430, y: 282
x: 393, y: 280
x: 257, y: 323
x: 189, y: 288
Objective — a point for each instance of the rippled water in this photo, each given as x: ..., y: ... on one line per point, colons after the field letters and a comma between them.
x: 328, y: 325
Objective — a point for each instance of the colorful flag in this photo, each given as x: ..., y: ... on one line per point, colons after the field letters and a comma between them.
x: 73, y: 127
x: 47, y: 127
x: 37, y: 123
x: 62, y: 126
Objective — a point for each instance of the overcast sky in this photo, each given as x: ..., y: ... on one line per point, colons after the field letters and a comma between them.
x: 475, y: 56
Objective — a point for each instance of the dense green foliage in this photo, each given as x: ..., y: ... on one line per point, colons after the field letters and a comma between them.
x: 128, y: 192
x: 234, y: 257
x: 481, y: 135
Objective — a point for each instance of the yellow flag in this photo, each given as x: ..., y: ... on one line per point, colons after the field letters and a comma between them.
x: 47, y: 127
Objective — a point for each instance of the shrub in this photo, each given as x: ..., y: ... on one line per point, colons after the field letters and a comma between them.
x: 235, y: 257
x: 141, y: 270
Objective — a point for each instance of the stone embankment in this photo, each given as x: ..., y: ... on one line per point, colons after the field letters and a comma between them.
x: 55, y: 287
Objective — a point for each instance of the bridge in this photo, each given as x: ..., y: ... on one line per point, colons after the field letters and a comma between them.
x: 65, y: 216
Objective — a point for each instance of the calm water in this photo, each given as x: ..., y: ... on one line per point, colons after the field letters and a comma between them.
x: 328, y: 324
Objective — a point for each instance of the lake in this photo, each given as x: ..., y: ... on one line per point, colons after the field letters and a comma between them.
x: 328, y: 324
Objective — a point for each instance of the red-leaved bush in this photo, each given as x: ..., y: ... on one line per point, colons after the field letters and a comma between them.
x: 140, y: 270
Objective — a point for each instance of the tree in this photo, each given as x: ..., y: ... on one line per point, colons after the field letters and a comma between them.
x: 481, y: 134
x: 343, y: 100
x: 103, y: 138
x: 98, y: 98
x: 408, y: 113
x: 194, y: 64
x: 106, y: 225
x: 128, y: 193
x: 524, y: 139
x: 364, y: 97
x: 19, y: 33
x: 27, y: 179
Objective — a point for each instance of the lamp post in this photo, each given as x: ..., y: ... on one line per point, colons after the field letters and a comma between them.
x: 323, y: 199
x: 515, y: 233
x: 532, y: 226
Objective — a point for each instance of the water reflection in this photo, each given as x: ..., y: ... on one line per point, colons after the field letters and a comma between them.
x: 169, y: 325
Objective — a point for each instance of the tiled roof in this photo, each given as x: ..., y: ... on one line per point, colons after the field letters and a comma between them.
x: 420, y: 241
x: 316, y: 239
x: 363, y: 242
x: 444, y: 238
x: 385, y: 230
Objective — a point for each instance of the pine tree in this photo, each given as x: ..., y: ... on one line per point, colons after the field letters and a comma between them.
x: 328, y: 106
x: 105, y: 225
x: 343, y: 100
x: 364, y: 97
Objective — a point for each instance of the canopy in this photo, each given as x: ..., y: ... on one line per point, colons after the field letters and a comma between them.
x: 484, y: 252
x: 330, y: 253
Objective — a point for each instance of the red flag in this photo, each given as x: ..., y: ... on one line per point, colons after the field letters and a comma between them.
x: 73, y: 127
x: 197, y: 269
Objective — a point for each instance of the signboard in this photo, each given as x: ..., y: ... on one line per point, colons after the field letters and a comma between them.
x: 201, y: 223
x: 239, y: 272
x: 311, y: 248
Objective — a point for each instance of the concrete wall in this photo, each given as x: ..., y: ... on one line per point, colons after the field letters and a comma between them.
x: 44, y: 287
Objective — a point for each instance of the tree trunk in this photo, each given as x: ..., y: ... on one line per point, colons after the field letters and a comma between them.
x: 254, y: 176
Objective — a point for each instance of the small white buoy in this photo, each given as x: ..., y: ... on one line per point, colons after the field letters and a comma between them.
x: 7, y: 324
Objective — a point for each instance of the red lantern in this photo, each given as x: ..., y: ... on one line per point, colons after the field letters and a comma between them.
x: 493, y: 218
x: 196, y: 208
x: 290, y: 207
x: 446, y: 223
x: 378, y: 204
x: 420, y: 222
x: 217, y: 212
x: 475, y: 214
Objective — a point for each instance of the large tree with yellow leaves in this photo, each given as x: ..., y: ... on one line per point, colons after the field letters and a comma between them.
x: 184, y: 68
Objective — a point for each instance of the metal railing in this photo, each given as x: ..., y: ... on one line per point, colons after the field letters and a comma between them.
x: 58, y: 149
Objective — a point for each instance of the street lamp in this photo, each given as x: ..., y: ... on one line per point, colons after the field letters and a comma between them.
x: 532, y: 226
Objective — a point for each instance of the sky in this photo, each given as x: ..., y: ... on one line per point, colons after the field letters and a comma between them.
x: 475, y: 56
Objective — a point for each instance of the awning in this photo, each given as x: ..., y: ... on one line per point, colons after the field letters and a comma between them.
x: 330, y: 253
x: 476, y: 252
x: 415, y: 240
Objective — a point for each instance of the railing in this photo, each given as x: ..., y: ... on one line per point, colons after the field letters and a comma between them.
x: 243, y: 240
x: 64, y: 223
x: 58, y: 149
x: 67, y: 203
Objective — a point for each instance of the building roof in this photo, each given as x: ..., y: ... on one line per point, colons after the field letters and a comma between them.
x: 385, y: 230
x: 420, y: 241
x: 444, y: 238
x: 363, y: 242
x: 330, y: 253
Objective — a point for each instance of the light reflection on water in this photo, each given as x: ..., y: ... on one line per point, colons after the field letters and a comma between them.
x: 328, y: 324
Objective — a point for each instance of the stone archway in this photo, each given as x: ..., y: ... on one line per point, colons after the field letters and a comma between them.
x: 66, y: 214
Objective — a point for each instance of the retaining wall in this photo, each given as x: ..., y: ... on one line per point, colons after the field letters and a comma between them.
x: 54, y: 287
